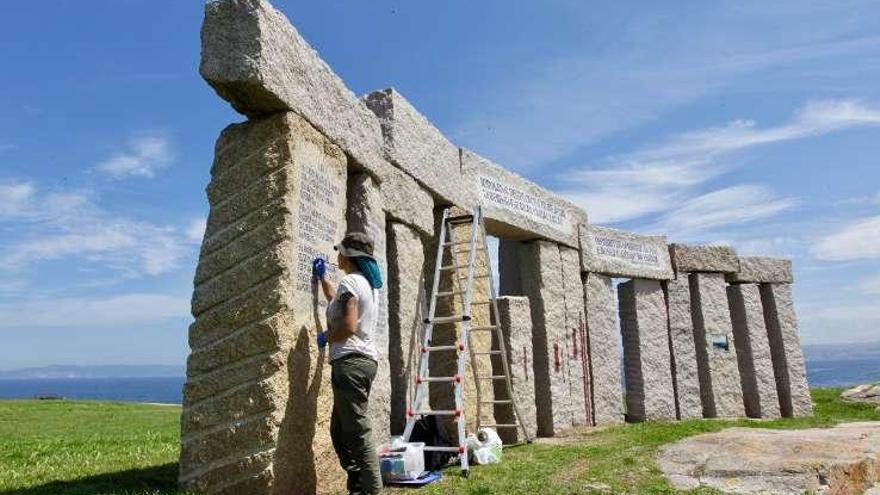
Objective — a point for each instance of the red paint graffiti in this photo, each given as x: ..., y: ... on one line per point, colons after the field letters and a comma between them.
x: 556, y: 363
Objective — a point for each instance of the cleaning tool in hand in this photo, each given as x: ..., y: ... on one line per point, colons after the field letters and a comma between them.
x: 319, y: 268
x: 321, y: 338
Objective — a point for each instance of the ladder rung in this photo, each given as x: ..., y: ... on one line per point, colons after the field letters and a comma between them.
x: 440, y: 379
x: 447, y: 319
x: 492, y: 377
x: 485, y: 275
x: 483, y: 329
x: 431, y: 448
x: 450, y: 293
x: 446, y: 268
x: 480, y: 303
x: 441, y: 348
x: 501, y: 425
x: 460, y: 219
x: 487, y: 353
x: 456, y: 243
x: 508, y: 401
x: 436, y: 412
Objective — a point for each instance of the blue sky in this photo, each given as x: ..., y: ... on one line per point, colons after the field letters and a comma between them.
x: 749, y: 123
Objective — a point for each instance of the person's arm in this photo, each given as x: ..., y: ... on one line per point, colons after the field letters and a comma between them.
x: 328, y: 287
x: 349, y: 319
x: 319, y: 271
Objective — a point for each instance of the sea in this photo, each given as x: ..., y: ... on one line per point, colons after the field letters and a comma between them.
x: 168, y: 390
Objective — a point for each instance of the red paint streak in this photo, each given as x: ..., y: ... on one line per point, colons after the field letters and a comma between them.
x: 525, y: 363
x: 574, y: 339
x: 556, y: 356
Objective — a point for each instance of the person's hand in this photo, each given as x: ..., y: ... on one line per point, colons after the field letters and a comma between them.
x: 321, y: 338
x: 319, y: 268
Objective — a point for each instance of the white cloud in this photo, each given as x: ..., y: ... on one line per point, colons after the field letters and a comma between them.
x: 196, y: 230
x: 871, y: 285
x: 59, y: 225
x: 126, y: 309
x: 857, y: 240
x: 850, y: 322
x: 143, y: 157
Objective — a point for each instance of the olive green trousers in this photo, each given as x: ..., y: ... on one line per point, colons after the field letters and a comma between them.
x: 350, y: 427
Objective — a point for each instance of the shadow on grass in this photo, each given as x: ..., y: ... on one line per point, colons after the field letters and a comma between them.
x: 156, y: 480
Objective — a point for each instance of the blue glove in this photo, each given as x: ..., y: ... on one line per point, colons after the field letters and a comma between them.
x: 321, y: 339
x: 319, y: 268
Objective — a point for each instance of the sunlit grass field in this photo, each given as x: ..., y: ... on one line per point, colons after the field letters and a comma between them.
x: 79, y: 447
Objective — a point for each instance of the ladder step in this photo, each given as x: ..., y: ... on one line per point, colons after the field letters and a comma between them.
x: 446, y: 268
x: 437, y: 412
x: 476, y: 276
x: 441, y: 379
x: 456, y: 243
x: 492, y: 377
x: 441, y: 348
x: 501, y: 425
x: 431, y: 448
x: 450, y: 293
x: 483, y: 329
x: 487, y: 353
x: 460, y: 219
x: 480, y: 303
x: 496, y: 402
x: 447, y: 319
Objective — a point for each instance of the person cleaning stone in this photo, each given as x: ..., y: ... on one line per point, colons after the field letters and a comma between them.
x: 351, y: 326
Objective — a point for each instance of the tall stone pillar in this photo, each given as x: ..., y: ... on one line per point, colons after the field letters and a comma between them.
x: 516, y: 324
x: 684, y: 354
x: 647, y: 362
x: 406, y: 302
x: 257, y: 399
x: 576, y: 362
x: 365, y: 214
x: 604, y: 350
x: 785, y: 347
x: 753, y: 351
x: 720, y: 386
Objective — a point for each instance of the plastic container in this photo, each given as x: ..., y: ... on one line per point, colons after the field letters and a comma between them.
x: 406, y: 462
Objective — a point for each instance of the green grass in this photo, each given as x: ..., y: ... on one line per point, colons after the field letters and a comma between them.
x: 112, y: 448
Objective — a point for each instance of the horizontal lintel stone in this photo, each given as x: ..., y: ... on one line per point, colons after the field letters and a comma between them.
x: 762, y: 270
x: 515, y: 207
x: 711, y: 259
x: 624, y: 254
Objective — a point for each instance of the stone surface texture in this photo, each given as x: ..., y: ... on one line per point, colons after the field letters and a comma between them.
x: 516, y: 326
x: 516, y: 208
x: 407, y: 202
x: 624, y: 254
x: 365, y: 214
x: 868, y: 393
x: 753, y: 351
x: 684, y: 354
x: 406, y: 310
x: 843, y: 460
x: 686, y: 259
x: 604, y: 350
x: 720, y: 386
x: 255, y: 59
x: 785, y: 347
x: 257, y: 400
x: 412, y: 143
x: 576, y: 360
x: 541, y: 264
x: 650, y: 393
x: 762, y: 270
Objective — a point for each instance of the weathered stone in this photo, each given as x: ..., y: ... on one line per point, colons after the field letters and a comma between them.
x: 840, y: 460
x: 686, y: 259
x: 604, y: 350
x: 720, y: 386
x: 406, y: 301
x: 257, y: 399
x: 541, y: 265
x: 255, y: 59
x: 416, y: 146
x: 647, y: 363
x: 760, y: 270
x: 785, y: 347
x: 405, y: 201
x: 753, y: 351
x: 516, y: 208
x: 868, y: 393
x: 576, y: 361
x: 516, y: 325
x: 365, y: 214
x: 684, y: 354
x: 624, y: 254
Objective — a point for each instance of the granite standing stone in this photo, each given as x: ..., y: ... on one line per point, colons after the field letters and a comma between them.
x: 720, y: 386
x: 406, y: 306
x: 647, y: 363
x: 686, y: 259
x: 753, y: 351
x: 365, y: 214
x: 785, y: 347
x: 762, y: 270
x: 257, y: 399
x: 624, y: 254
x: 684, y: 353
x: 516, y: 326
x: 604, y: 350
x: 575, y: 327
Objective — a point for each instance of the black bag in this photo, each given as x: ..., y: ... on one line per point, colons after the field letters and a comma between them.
x: 427, y: 430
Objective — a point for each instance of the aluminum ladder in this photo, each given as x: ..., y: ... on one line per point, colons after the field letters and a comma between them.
x: 462, y: 323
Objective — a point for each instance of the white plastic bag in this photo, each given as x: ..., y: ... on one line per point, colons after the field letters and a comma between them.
x: 404, y: 462
x: 485, y: 446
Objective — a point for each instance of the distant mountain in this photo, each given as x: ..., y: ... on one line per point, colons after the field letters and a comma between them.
x: 827, y: 352
x: 103, y: 371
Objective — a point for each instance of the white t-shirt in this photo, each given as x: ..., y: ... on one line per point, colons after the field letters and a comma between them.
x: 361, y: 341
